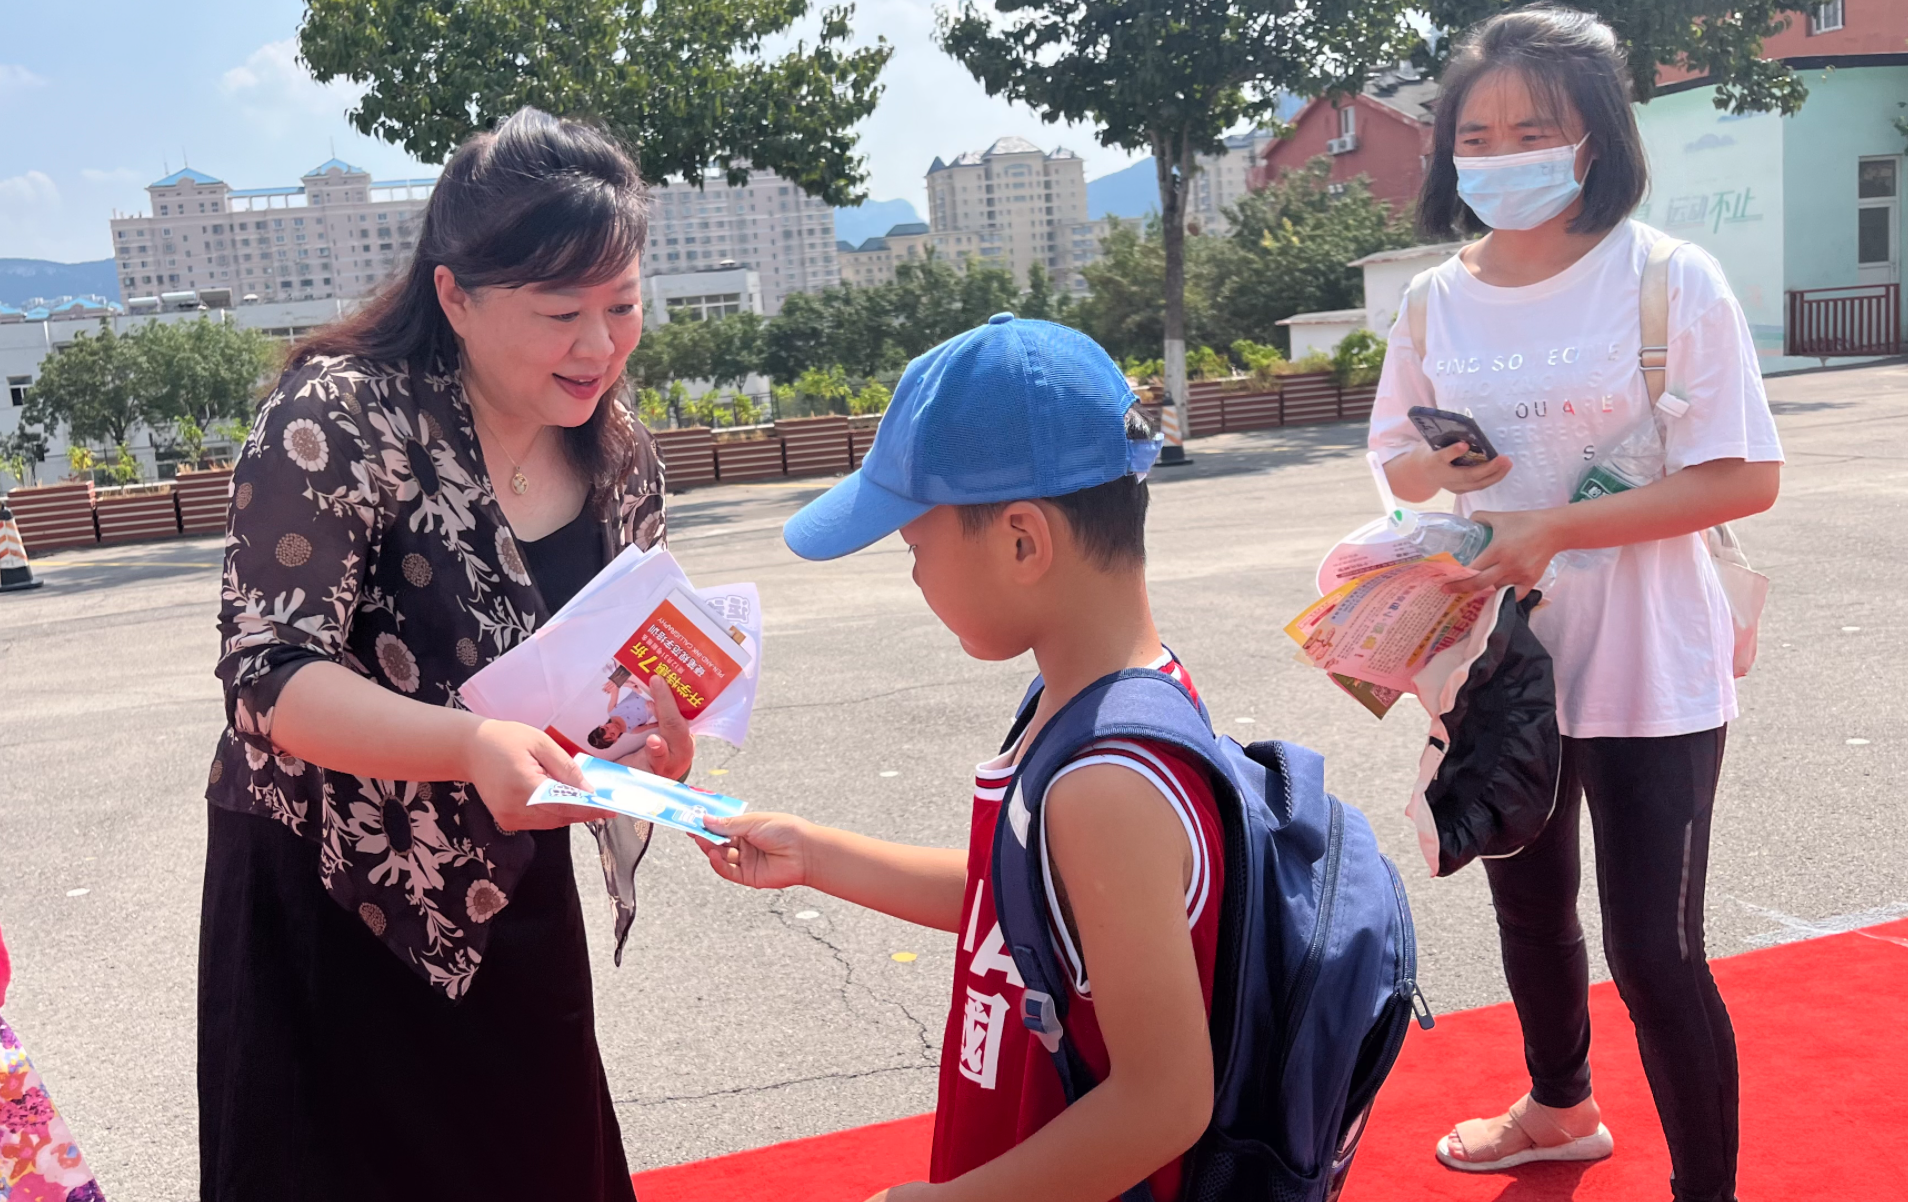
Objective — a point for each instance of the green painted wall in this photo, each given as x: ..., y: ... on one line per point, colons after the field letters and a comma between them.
x: 1848, y: 116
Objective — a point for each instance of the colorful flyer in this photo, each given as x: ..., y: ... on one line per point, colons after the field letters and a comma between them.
x: 642, y: 795
x: 680, y: 641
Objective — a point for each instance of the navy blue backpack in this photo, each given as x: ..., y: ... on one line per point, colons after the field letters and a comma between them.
x: 1315, y: 984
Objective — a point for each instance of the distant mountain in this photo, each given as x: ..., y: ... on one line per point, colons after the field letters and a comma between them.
x: 871, y: 219
x: 1130, y: 192
x: 23, y: 279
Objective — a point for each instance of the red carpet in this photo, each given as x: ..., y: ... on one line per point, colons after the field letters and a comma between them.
x: 1824, y: 1056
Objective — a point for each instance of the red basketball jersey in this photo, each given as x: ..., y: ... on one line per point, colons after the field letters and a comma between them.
x: 998, y: 1084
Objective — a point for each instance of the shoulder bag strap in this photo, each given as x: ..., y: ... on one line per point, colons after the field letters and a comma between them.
x: 1653, y: 305
x: 1416, y: 302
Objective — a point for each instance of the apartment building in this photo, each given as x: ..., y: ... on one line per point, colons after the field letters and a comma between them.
x: 768, y: 226
x: 337, y: 233
x: 1021, y: 205
x: 1223, y: 178
x: 874, y: 261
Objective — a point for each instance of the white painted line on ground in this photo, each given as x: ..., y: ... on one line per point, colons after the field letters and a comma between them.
x: 1796, y: 929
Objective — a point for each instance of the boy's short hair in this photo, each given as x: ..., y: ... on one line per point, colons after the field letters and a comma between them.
x: 1108, y: 520
x: 599, y: 738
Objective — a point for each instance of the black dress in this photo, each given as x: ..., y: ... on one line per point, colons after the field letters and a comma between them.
x: 330, y: 1071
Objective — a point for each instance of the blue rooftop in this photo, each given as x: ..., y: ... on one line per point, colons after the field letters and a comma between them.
x: 242, y: 192
x: 340, y: 164
x: 185, y: 175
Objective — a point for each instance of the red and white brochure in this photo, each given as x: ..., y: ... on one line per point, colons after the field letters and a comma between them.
x: 583, y: 676
x: 678, y: 640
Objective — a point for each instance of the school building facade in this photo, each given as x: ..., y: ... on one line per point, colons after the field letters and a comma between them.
x: 1804, y: 213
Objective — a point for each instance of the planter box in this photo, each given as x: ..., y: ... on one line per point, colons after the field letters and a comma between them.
x: 53, y: 516
x: 204, y: 499
x: 1355, y: 402
x: 1252, y: 410
x: 755, y: 459
x: 1204, y: 414
x: 1311, y: 397
x: 814, y: 446
x: 688, y: 456
x: 861, y: 436
x: 138, y: 515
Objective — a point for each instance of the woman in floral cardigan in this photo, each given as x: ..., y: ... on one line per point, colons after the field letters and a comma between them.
x: 394, y: 996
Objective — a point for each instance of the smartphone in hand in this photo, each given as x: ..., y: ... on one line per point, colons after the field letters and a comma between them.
x: 1441, y: 428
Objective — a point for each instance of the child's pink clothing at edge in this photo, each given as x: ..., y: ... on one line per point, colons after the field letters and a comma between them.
x: 39, y: 1160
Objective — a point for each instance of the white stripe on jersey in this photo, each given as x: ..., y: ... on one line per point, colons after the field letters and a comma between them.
x: 1137, y: 758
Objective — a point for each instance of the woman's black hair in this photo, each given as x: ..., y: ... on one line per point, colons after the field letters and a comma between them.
x: 538, y: 200
x: 1568, y: 60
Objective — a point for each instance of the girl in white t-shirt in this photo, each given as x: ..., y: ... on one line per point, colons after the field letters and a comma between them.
x: 1534, y: 330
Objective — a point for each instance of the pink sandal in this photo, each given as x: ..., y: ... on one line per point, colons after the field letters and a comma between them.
x: 1549, y: 1141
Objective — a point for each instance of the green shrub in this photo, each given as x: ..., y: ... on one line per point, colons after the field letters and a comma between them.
x: 1204, y: 363
x: 873, y: 398
x: 1358, y: 358
x: 1261, y: 361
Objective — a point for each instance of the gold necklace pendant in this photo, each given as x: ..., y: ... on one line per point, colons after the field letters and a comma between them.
x: 518, y: 484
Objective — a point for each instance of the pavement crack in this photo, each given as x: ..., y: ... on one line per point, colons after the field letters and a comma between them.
x: 848, y: 982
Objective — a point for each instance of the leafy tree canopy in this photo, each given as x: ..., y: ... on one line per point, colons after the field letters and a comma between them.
x: 1286, y: 253
x: 1171, y: 78
x: 186, y: 376
x: 1720, y: 39
x: 92, y: 388
x: 204, y: 370
x: 685, y: 83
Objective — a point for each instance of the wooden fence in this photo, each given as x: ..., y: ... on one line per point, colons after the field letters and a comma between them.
x: 56, y: 516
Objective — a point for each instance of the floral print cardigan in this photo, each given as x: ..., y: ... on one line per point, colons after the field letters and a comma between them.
x: 363, y: 531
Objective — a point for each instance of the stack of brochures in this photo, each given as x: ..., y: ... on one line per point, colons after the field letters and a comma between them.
x: 583, y: 676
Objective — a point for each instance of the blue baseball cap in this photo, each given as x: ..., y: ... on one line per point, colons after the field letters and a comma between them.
x: 1008, y: 411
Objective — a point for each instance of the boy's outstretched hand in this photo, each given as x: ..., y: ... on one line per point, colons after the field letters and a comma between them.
x: 765, y: 851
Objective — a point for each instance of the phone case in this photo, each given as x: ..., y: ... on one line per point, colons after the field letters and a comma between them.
x: 1441, y: 428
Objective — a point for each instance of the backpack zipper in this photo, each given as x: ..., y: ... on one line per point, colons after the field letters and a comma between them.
x: 1408, y: 953
x: 1404, y: 989
x: 1301, y: 995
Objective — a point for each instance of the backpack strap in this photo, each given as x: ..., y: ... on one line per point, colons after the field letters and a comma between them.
x: 1652, y: 359
x: 1417, y: 303
x: 1137, y: 703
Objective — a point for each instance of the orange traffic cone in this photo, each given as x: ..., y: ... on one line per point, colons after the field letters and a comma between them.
x: 15, y: 571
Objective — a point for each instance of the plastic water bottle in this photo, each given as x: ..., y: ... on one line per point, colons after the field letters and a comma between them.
x: 1438, y: 533
x: 1431, y: 533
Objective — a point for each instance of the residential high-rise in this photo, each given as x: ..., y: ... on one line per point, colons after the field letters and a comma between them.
x: 767, y: 225
x: 1023, y: 205
x: 337, y: 233
x: 1223, y: 178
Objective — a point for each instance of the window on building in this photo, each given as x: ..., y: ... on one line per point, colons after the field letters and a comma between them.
x: 17, y: 387
x: 1878, y: 192
x: 1827, y: 18
x: 1347, y: 122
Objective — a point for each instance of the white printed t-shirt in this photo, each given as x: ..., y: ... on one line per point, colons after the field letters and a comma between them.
x: 1642, y: 640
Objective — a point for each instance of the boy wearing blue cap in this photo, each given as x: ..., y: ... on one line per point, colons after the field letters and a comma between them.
x: 1013, y: 461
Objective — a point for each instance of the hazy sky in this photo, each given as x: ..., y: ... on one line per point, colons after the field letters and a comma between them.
x: 102, y: 98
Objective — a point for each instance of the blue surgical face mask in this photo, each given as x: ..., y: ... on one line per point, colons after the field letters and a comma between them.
x: 1519, y: 191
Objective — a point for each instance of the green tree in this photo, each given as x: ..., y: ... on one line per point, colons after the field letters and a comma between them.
x: 1720, y: 39
x: 1172, y: 79
x: 1043, y: 300
x: 686, y: 84
x: 92, y: 387
x: 203, y: 371
x: 1125, y: 306
x: 1288, y: 252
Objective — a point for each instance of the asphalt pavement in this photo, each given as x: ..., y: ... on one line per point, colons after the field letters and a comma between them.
x: 741, y: 1018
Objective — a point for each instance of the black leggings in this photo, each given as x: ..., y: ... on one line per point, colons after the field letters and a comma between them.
x: 1650, y: 804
